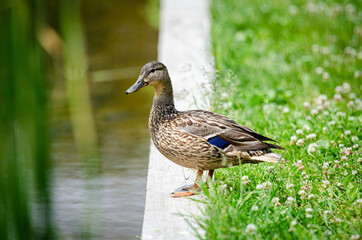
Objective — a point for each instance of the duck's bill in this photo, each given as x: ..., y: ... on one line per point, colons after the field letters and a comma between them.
x: 138, y: 85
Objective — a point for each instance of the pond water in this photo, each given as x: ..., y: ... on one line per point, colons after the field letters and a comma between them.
x: 119, y: 42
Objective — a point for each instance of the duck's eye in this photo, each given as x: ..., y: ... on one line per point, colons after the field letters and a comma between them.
x: 153, y: 70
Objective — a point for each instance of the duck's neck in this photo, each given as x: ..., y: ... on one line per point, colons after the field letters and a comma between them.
x: 163, y: 104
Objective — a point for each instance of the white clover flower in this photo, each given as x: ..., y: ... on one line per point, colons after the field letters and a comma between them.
x: 359, y: 160
x: 324, y: 129
x: 327, y: 212
x: 306, y: 127
x: 345, y: 164
x: 245, y: 180
x: 226, y: 104
x: 325, y: 75
x: 338, y: 89
x: 301, y: 193
x: 292, y: 9
x: 325, y: 50
x: 319, y: 70
x: 299, y: 131
x: 350, y: 104
x: 355, y: 145
x: 311, y: 136
x: 336, y: 161
x: 286, y: 110
x: 354, y: 138
x: 293, y: 139
x: 310, y: 196
x: 315, y: 48
x: 346, y: 151
x: 352, y: 95
x: 325, y: 183
x: 345, y: 173
x: 267, y: 185
x: 306, y: 105
x: 254, y: 208
x: 259, y: 186
x: 300, y: 142
x: 337, y: 97
x: 250, y: 228
x: 275, y: 200
x: 290, y: 199
x: 356, y: 74
x: 339, y: 184
x: 355, y: 236
x: 312, y: 147
x: 349, y: 151
x: 322, y: 98
x: 308, y: 212
x: 289, y: 185
x: 358, y: 103
x: 344, y: 158
x: 306, y: 187
x: 332, y: 123
x: 338, y: 220
x: 341, y: 114
x: 299, y: 162
x: 347, y: 132
x: 350, y: 50
x: 224, y: 95
x: 341, y: 145
x: 359, y: 201
x: 293, y: 223
x: 346, y: 87
x: 354, y: 172
x: 314, y: 112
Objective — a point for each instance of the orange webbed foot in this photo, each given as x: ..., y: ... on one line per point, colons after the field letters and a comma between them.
x: 182, y: 194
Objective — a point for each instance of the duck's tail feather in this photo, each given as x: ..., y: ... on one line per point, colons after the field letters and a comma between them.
x: 269, y: 157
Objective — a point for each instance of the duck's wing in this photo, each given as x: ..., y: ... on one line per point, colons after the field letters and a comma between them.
x: 221, y: 131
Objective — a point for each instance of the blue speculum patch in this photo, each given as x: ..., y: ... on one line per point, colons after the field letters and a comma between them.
x: 218, y: 142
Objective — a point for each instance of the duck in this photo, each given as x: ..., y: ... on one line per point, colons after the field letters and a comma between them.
x: 198, y: 139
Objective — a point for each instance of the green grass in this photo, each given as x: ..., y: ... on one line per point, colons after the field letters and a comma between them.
x: 273, y: 60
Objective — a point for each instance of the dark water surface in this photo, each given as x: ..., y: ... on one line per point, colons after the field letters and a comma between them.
x: 119, y: 42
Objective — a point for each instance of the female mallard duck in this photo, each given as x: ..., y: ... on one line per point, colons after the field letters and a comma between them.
x: 198, y: 139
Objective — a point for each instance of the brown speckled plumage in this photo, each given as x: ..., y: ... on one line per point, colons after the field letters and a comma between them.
x: 183, y: 136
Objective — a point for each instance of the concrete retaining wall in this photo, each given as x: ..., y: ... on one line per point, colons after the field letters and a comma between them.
x: 184, y: 47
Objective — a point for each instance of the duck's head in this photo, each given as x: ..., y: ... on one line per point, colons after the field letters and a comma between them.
x: 154, y: 74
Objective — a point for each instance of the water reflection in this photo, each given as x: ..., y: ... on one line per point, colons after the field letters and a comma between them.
x: 118, y: 37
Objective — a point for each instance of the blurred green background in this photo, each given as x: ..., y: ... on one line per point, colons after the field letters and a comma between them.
x: 73, y: 148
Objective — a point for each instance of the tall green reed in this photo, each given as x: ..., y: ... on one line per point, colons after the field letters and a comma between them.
x: 25, y: 163
x: 78, y: 93
x: 25, y: 206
